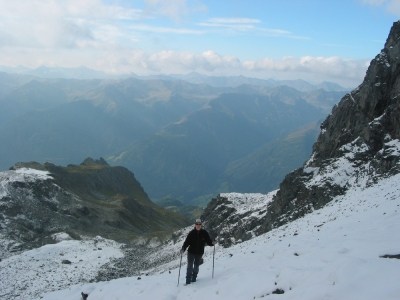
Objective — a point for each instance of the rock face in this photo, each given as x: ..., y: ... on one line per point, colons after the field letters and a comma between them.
x: 361, y: 133
x: 371, y: 112
x: 358, y: 144
x: 234, y: 217
x: 39, y: 200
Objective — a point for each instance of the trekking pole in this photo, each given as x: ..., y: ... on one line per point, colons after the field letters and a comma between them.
x: 213, y: 262
x: 180, y: 264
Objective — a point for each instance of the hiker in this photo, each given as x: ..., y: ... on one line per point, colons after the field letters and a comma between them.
x: 196, y: 241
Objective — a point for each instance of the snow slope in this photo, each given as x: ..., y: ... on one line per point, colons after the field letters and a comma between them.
x: 54, y: 266
x: 332, y: 253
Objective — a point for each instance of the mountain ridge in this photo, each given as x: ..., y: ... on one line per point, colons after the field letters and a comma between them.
x: 39, y: 200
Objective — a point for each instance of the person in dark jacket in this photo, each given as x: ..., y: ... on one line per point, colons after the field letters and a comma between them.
x: 196, y: 241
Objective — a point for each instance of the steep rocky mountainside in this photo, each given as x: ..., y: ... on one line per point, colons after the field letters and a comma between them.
x: 358, y: 144
x: 40, y: 200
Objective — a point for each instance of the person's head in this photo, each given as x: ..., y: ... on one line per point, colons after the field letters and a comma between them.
x: 197, y: 224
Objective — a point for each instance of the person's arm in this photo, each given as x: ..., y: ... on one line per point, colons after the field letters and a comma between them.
x: 208, y: 239
x: 186, y: 243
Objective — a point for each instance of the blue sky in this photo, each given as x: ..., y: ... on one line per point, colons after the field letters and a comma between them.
x: 315, y: 40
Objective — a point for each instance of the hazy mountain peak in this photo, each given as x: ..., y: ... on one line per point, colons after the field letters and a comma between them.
x: 94, y: 162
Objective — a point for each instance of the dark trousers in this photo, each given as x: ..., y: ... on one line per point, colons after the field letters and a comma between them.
x: 193, y: 262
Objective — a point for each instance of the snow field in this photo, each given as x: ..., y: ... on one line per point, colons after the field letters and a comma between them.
x: 332, y: 253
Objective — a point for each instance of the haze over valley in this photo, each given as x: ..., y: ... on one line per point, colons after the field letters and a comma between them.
x: 184, y: 141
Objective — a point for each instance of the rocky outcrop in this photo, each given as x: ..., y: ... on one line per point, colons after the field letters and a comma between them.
x: 371, y: 112
x: 358, y: 143
x: 39, y: 200
x: 233, y: 217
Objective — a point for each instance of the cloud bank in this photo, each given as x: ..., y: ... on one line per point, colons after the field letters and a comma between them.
x: 110, y: 38
x: 391, y: 6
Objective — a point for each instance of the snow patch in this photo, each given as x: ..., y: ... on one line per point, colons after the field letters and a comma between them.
x: 391, y: 148
x: 38, y: 174
x: 246, y: 202
x: 20, y: 175
x: 340, y: 171
x: 61, y: 236
x: 54, y: 266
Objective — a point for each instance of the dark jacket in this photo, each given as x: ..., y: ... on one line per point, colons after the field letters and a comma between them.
x: 196, y: 241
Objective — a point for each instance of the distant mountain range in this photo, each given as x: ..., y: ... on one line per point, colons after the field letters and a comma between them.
x: 184, y: 139
x: 194, y: 77
x: 54, y: 72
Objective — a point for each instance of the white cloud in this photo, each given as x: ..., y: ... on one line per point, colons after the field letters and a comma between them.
x: 60, y: 24
x: 240, y: 25
x: 119, y: 60
x: 346, y: 72
x: 234, y: 21
x: 391, y: 6
x: 103, y: 37
x: 176, y: 10
x: 159, y: 29
x: 394, y: 7
x: 237, y: 24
